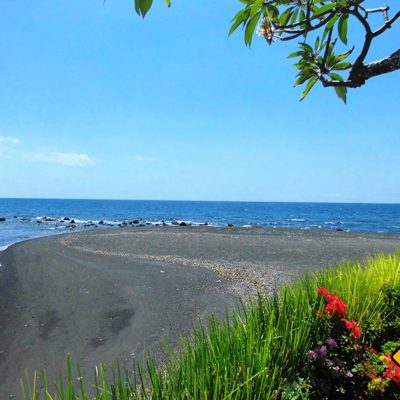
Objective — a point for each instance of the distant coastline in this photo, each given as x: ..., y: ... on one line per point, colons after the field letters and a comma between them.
x: 30, y: 218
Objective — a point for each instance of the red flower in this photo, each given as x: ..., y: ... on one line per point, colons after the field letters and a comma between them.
x: 349, y: 324
x: 354, y: 328
x: 392, y: 371
x: 336, y: 307
x: 356, y: 333
x: 323, y: 292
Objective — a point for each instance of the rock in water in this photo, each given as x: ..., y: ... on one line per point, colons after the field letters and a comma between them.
x: 2, y: 219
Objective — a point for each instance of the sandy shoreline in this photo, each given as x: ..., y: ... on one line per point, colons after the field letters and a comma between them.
x: 112, y: 294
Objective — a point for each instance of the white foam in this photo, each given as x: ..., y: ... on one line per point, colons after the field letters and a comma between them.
x: 297, y: 219
x: 80, y: 221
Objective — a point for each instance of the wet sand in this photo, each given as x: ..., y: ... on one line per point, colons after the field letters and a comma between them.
x: 113, y: 294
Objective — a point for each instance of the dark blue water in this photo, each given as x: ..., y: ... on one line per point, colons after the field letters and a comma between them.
x: 22, y: 215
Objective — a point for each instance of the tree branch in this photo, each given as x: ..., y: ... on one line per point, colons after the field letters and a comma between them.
x: 358, y: 76
x: 389, y: 64
x: 368, y: 38
x: 386, y: 25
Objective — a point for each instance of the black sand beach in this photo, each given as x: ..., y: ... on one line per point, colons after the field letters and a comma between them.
x: 112, y: 294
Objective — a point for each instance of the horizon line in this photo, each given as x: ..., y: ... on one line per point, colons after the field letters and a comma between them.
x: 204, y: 201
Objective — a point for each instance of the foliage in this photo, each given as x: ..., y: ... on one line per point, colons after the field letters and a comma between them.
x: 321, y: 26
x: 260, y: 350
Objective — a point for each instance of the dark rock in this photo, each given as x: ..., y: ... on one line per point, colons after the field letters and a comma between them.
x: 124, y: 223
x: 230, y: 225
x: 72, y: 221
x: 72, y: 226
x: 48, y: 219
x: 39, y: 221
x: 183, y: 224
x: 339, y: 230
x: 66, y: 219
x: 175, y: 222
x: 101, y: 222
x: 135, y: 221
x: 2, y: 219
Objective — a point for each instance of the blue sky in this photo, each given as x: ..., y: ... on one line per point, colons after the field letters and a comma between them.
x: 97, y: 103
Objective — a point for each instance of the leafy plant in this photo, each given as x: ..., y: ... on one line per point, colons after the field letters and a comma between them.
x: 319, y: 26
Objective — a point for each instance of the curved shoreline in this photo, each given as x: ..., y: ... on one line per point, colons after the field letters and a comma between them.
x: 199, y: 225
x: 111, y: 294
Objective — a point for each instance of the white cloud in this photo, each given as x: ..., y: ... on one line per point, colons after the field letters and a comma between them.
x: 68, y: 159
x: 142, y: 158
x: 8, y: 139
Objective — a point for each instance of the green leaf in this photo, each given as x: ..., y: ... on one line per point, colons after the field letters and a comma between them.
x: 335, y: 76
x: 168, y: 3
x: 256, y: 7
x: 341, y: 92
x: 294, y: 16
x: 329, y: 26
x: 295, y: 54
x: 301, y: 79
x: 273, y: 12
x: 250, y: 28
x: 342, y: 28
x: 324, y: 9
x: 284, y: 18
x: 306, y: 47
x: 238, y: 19
x: 317, y: 43
x: 342, y: 66
x: 143, y: 6
x: 309, y: 86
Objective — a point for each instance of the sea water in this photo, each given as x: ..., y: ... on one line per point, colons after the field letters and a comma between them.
x: 29, y: 218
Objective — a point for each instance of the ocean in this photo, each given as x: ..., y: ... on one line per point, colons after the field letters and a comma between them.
x: 30, y: 218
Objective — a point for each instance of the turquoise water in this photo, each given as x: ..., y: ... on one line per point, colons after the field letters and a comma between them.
x: 22, y: 215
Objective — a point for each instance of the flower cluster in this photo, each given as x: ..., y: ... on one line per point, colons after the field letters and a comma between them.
x: 335, y: 306
x: 266, y: 29
x: 392, y: 370
x: 343, y: 363
x: 353, y: 327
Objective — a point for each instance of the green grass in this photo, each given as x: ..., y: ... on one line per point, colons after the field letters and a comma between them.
x: 255, y: 352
